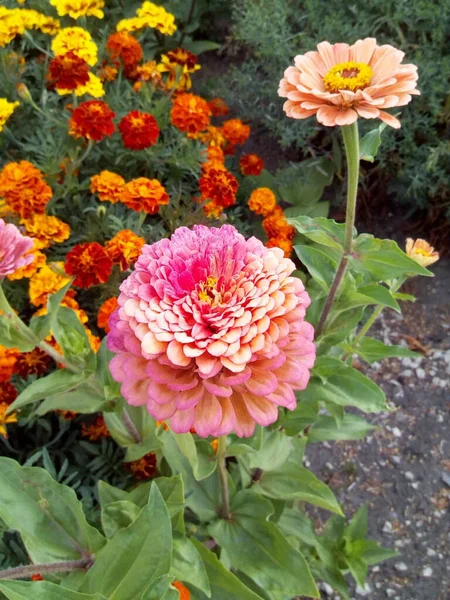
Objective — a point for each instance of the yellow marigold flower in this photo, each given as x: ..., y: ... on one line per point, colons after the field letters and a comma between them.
x: 79, y: 8
x: 5, y: 419
x: 262, y: 201
x: 149, y: 15
x: 178, y: 63
x: 421, y: 251
x: 46, y: 230
x: 6, y: 110
x: 48, y: 25
x: 94, y: 340
x: 10, y: 25
x: 130, y: 25
x: 77, y: 40
x: 39, y: 260
x: 94, y: 87
x: 124, y: 248
x: 47, y: 281
x: 109, y: 186
x: 145, y: 73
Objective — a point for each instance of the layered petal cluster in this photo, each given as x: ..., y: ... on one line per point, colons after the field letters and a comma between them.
x: 210, y: 332
x: 14, y: 249
x: 340, y: 83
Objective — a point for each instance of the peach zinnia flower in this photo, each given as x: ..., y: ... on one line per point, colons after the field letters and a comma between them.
x: 421, y: 251
x: 14, y: 249
x: 89, y: 263
x: 340, y: 83
x: 210, y: 332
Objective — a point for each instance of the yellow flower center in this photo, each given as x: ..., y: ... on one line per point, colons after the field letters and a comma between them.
x: 208, y: 292
x: 348, y: 76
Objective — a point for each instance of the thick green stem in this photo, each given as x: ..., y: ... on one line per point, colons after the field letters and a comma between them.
x: 57, y: 356
x: 351, y: 144
x: 131, y: 427
x: 223, y: 476
x: 27, y: 571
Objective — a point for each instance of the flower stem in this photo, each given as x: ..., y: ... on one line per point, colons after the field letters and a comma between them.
x: 223, y: 476
x: 58, y: 567
x: 131, y: 427
x: 351, y: 144
x: 57, y: 356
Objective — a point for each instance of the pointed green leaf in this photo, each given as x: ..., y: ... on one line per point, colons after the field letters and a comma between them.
x: 42, y: 590
x: 118, y: 515
x: 188, y: 565
x: 352, y: 427
x: 325, y: 232
x: 369, y: 144
x: 372, y: 350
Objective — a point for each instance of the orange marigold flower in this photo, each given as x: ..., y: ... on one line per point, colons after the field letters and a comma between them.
x: 8, y: 358
x: 46, y: 230
x: 47, y: 281
x: 105, y: 311
x: 108, y: 73
x: 8, y: 393
x: 95, y: 430
x: 148, y: 72
x: 219, y: 186
x: 421, y: 251
x: 145, y: 195
x: 284, y: 243
x: 92, y: 120
x: 24, y: 189
x: 215, y: 154
x: 251, y: 164
x: 262, y: 201
x: 89, y: 263
x: 67, y: 415
x: 215, y: 445
x: 68, y: 71
x: 35, y: 362
x: 235, y: 132
x: 190, y: 113
x: 185, y: 594
x: 218, y: 107
x: 276, y: 226
x: 179, y: 64
x: 39, y: 260
x: 139, y: 130
x: 124, y: 46
x: 94, y: 340
x: 145, y: 467
x: 213, y: 136
x: 6, y: 419
x: 124, y: 248
x: 213, y: 210
x: 37, y: 577
x: 108, y: 186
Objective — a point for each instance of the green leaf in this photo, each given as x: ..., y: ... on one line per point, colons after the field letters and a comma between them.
x: 84, y: 399
x: 57, y: 382
x: 358, y: 568
x: 108, y: 493
x: 295, y: 523
x: 47, y: 514
x: 325, y: 366
x: 369, y: 144
x: 42, y: 590
x: 372, y: 350
x: 294, y: 482
x: 383, y: 259
x: 365, y: 296
x: 224, y: 585
x: 325, y: 232
x: 161, y: 590
x: 187, y: 564
x: 352, y: 427
x: 200, y: 46
x: 258, y: 548
x: 321, y: 209
x: 200, y: 455
x: 275, y: 451
x: 321, y: 266
x: 71, y: 335
x: 135, y: 556
x: 143, y: 423
x: 359, y: 525
x: 404, y: 297
x: 373, y: 553
x: 348, y: 387
x: 301, y: 417
x: 118, y: 515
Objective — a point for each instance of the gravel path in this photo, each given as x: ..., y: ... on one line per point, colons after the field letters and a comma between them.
x: 403, y: 470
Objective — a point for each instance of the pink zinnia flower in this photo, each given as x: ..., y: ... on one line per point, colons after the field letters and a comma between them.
x: 340, y: 83
x: 210, y: 332
x: 14, y: 249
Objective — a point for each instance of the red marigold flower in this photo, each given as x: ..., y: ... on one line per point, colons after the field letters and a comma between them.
x: 124, y: 46
x: 8, y: 393
x: 105, y: 311
x: 190, y: 113
x: 35, y: 362
x: 251, y: 164
x: 145, y: 467
x: 89, y: 263
x: 92, y: 120
x: 68, y: 71
x: 95, y: 430
x: 145, y: 195
x: 235, y: 131
x: 185, y: 594
x: 139, y: 130
x: 218, y: 107
x: 124, y: 248
x: 220, y: 186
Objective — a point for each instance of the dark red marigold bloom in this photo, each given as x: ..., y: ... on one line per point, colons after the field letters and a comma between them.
x: 139, y: 130
x: 8, y: 393
x: 89, y: 263
x: 68, y: 71
x: 145, y: 467
x: 251, y: 164
x: 35, y: 362
x: 92, y: 120
x: 220, y: 186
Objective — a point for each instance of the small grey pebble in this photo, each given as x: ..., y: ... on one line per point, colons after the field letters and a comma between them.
x: 427, y: 572
x: 401, y: 566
